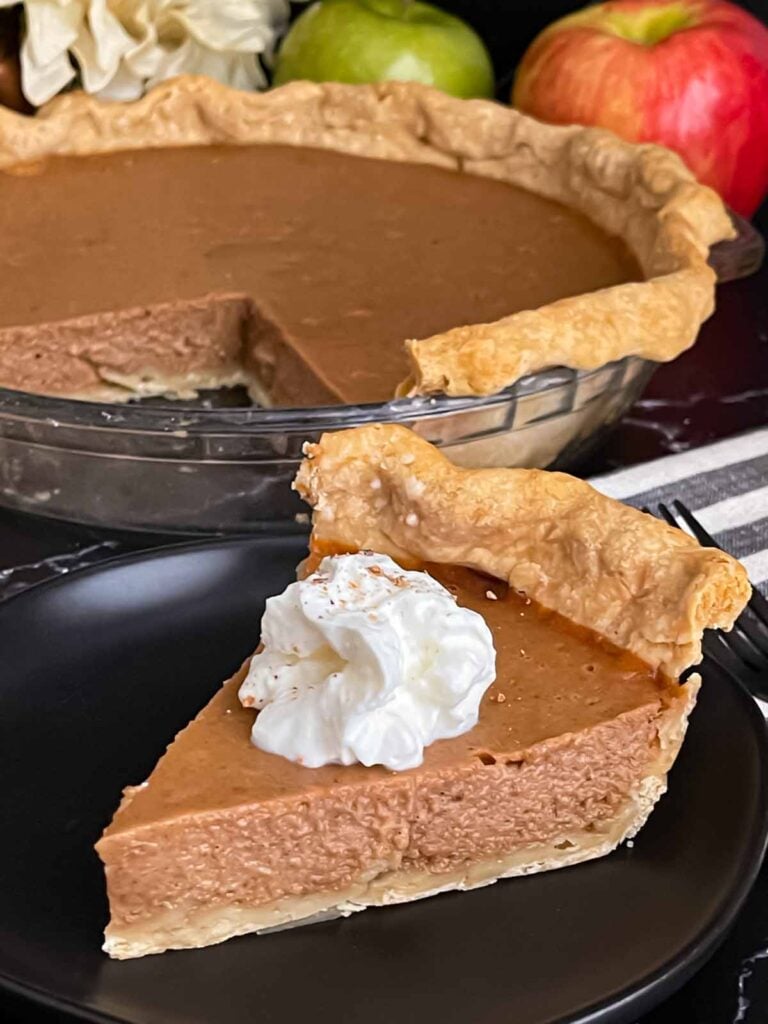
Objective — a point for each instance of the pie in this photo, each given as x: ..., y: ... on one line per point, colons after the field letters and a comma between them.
x: 595, y: 610
x: 328, y: 243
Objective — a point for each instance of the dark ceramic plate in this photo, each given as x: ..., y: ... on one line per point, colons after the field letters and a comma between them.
x: 100, y: 669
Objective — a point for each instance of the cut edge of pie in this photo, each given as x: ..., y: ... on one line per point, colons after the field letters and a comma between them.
x: 641, y: 193
x: 390, y: 884
x: 647, y: 588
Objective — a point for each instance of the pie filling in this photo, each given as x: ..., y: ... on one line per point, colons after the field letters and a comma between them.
x: 567, y: 737
x: 299, y: 272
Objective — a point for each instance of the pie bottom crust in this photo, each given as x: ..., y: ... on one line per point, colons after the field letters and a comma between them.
x: 208, y: 925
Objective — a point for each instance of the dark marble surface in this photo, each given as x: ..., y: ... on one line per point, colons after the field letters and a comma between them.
x: 719, y: 388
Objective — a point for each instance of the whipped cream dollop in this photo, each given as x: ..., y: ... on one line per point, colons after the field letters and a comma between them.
x: 365, y: 662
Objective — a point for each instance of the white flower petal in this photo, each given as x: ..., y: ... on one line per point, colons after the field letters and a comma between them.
x: 100, y: 50
x: 146, y: 54
x: 125, y: 46
x: 41, y: 82
x: 124, y: 86
x: 241, y: 71
x: 232, y: 24
x: 135, y: 17
x: 145, y: 59
x: 110, y: 38
x: 50, y: 29
x: 170, y: 62
x: 94, y: 77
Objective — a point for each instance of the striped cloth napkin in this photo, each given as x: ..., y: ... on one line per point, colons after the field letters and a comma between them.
x: 724, y: 484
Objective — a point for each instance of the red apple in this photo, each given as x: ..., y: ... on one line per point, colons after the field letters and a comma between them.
x: 689, y: 74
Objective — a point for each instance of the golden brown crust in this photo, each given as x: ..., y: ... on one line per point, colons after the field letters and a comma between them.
x: 642, y: 193
x: 655, y: 319
x: 645, y: 586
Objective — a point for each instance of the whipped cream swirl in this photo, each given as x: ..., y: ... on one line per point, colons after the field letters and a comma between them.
x: 365, y: 662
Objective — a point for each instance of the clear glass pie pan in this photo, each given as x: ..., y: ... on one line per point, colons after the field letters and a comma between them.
x: 168, y: 466
x: 190, y: 468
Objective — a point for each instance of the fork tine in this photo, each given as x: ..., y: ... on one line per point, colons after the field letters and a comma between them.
x: 742, y: 648
x: 666, y: 514
x: 694, y: 525
x: 756, y: 635
x: 757, y: 602
x: 721, y: 655
x: 716, y: 649
x: 759, y: 606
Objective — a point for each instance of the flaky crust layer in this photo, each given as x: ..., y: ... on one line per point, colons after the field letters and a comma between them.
x: 648, y: 588
x: 643, y: 194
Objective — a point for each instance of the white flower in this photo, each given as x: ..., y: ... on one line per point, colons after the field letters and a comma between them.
x: 123, y: 47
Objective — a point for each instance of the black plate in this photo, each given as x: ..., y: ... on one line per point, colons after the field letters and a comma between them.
x: 100, y: 669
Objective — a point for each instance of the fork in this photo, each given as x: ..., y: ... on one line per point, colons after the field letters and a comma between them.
x: 742, y: 653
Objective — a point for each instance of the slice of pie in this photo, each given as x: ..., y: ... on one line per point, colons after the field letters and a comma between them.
x: 326, y: 243
x: 595, y: 610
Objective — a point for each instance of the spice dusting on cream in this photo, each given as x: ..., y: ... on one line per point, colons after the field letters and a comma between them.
x: 365, y: 662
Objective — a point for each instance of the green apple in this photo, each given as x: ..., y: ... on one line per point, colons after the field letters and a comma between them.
x: 385, y: 40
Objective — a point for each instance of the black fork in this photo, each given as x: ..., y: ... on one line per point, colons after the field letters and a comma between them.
x: 742, y: 653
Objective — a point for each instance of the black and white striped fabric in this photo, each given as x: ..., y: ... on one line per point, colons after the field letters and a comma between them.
x: 724, y: 484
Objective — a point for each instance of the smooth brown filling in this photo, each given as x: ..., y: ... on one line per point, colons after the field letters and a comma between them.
x: 323, y: 264
x: 565, y: 732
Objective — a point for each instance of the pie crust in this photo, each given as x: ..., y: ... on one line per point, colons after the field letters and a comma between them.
x: 645, y: 586
x: 643, y: 194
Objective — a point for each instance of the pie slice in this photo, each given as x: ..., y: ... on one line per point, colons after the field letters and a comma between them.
x: 203, y: 237
x: 595, y: 610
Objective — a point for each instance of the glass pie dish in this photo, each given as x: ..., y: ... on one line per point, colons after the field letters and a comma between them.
x: 211, y: 466
x: 166, y: 466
